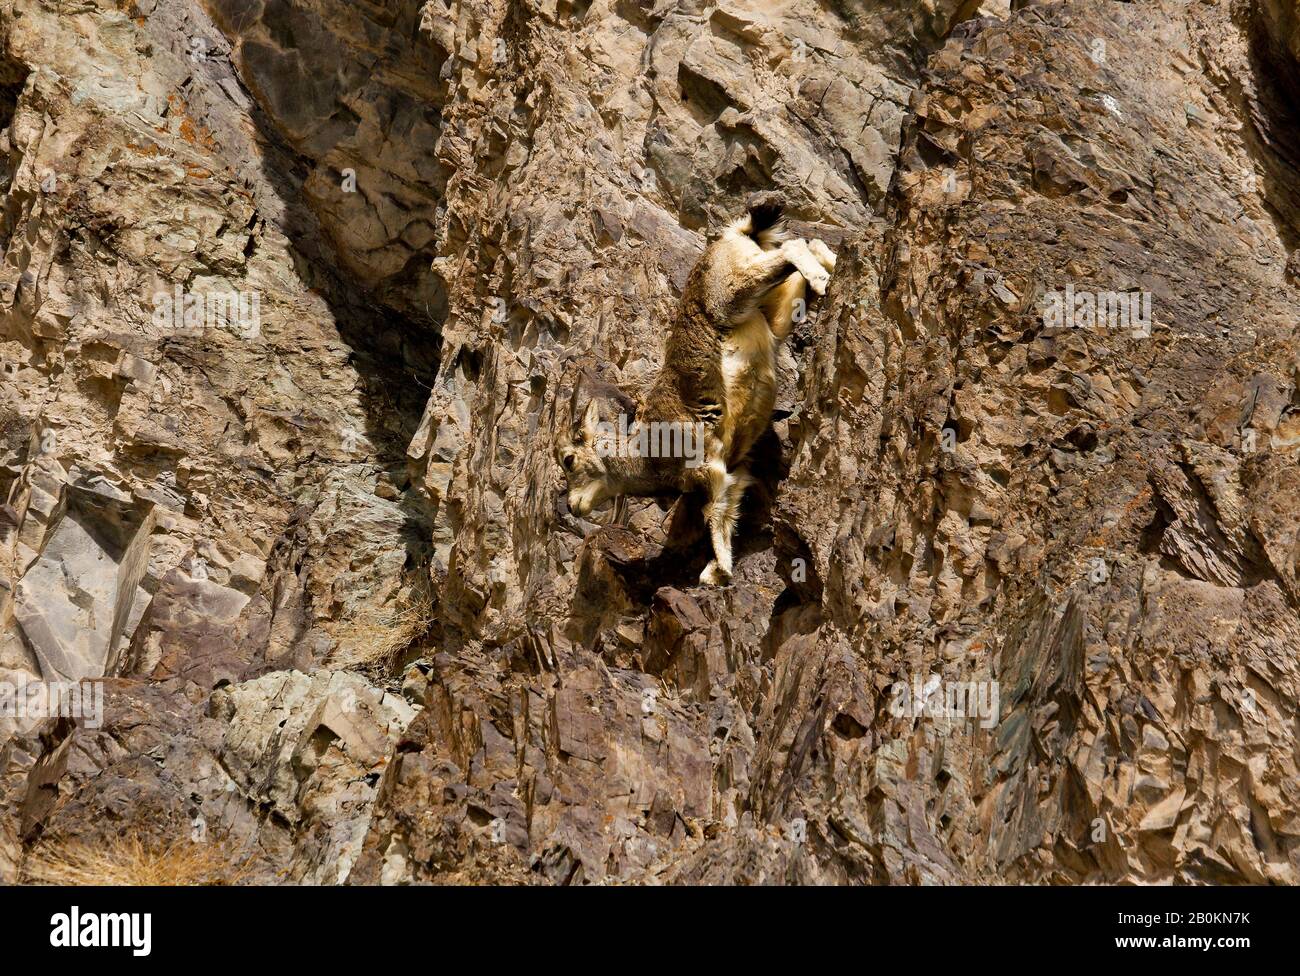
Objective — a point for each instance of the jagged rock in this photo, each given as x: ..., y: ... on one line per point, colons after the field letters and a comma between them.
x: 450, y: 212
x: 311, y: 748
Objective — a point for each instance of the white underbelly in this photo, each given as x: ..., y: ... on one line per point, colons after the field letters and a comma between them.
x: 749, y: 380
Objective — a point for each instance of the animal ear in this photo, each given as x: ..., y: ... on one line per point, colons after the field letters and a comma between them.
x: 590, y: 419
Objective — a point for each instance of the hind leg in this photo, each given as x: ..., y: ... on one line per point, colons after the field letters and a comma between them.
x: 785, y: 306
x: 786, y: 300
x: 824, y: 255
x: 752, y: 281
x: 809, y: 265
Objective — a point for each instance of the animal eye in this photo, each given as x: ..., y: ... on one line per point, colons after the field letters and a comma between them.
x: 568, y: 460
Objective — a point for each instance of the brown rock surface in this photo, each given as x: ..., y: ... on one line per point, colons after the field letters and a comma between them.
x: 318, y: 553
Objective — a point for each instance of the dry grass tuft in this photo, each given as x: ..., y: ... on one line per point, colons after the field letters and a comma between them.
x: 126, y: 862
x: 379, y: 637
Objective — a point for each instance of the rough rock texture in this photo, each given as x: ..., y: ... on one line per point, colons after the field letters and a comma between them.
x: 320, y: 556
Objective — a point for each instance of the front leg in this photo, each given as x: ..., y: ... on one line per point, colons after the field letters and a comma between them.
x: 723, y: 512
x: 718, y: 571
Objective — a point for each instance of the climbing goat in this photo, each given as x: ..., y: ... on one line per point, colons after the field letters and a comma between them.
x: 693, y: 427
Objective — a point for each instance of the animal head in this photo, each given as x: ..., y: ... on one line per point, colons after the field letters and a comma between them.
x: 585, y: 470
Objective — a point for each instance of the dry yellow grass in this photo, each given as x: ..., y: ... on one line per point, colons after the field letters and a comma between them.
x: 128, y: 862
x: 379, y: 637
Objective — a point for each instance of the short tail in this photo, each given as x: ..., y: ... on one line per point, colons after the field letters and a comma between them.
x: 765, y: 223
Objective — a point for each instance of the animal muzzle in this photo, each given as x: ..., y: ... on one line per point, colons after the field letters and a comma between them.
x: 586, y: 497
x: 579, y: 504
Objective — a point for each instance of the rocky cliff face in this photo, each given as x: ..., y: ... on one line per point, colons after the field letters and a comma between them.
x: 313, y: 541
